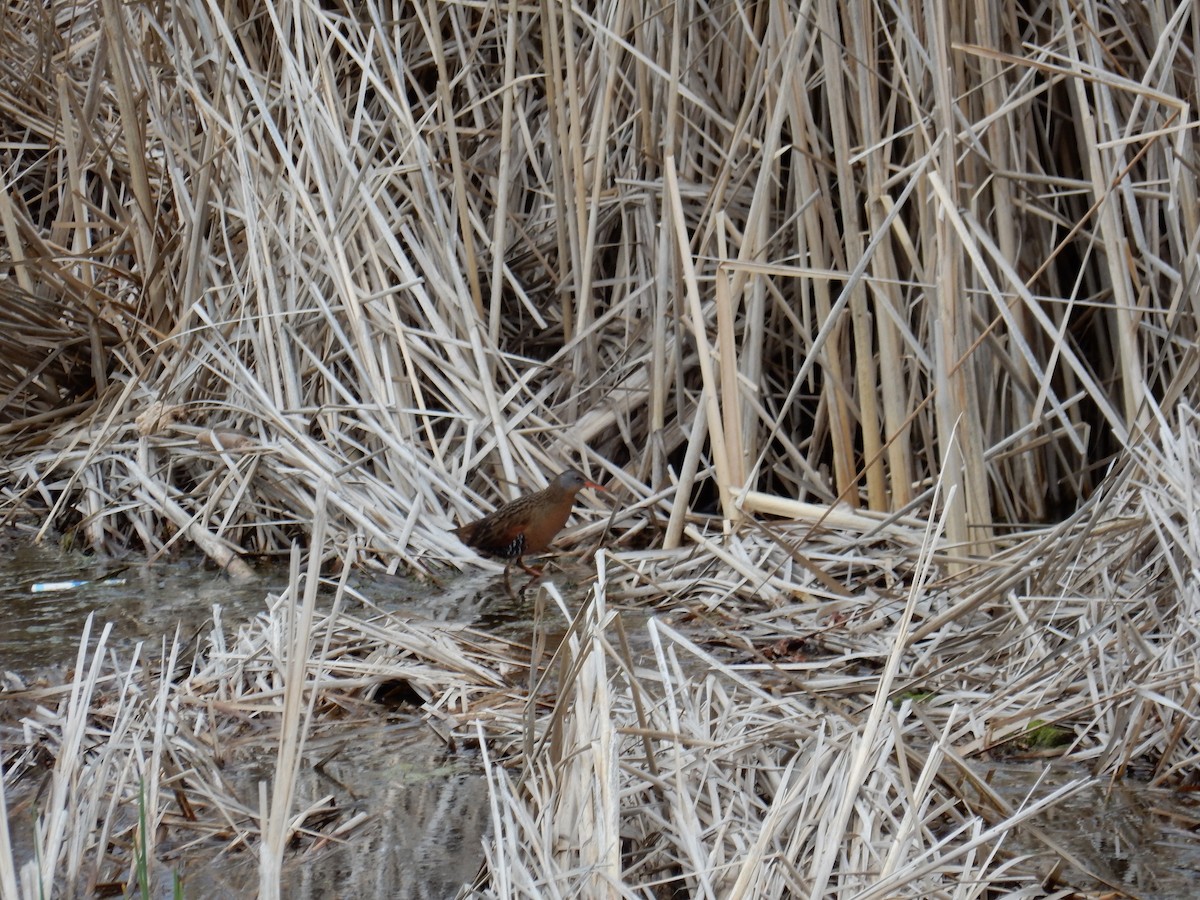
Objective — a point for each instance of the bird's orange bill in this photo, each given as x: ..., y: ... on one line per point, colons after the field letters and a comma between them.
x: 594, y: 486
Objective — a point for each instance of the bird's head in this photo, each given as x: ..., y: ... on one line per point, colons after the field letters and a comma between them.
x: 571, y: 482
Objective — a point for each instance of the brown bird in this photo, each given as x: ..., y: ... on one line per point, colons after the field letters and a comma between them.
x: 527, y: 524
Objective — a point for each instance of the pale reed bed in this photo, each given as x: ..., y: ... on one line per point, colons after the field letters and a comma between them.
x: 731, y: 260
x: 778, y: 273
x: 816, y: 748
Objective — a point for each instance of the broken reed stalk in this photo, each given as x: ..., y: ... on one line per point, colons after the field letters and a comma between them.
x: 726, y: 750
x: 383, y: 272
x: 276, y: 798
x: 863, y: 257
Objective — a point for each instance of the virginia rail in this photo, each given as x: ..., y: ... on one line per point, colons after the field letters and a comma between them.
x: 527, y: 524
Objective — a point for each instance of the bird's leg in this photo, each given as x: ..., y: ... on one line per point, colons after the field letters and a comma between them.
x: 514, y: 594
x: 532, y: 570
x: 534, y: 574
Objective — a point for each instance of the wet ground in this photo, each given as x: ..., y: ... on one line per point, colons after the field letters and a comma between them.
x: 427, y: 808
x: 47, y: 594
x: 1127, y: 839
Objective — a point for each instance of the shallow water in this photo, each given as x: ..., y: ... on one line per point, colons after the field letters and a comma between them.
x: 427, y: 807
x: 428, y: 815
x: 43, y: 618
x: 1126, y: 836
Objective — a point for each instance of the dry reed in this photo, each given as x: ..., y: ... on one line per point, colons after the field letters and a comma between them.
x: 818, y: 747
x: 378, y: 270
x: 819, y: 253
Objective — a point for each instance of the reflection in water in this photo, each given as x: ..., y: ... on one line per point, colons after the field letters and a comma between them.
x: 427, y: 809
x: 42, y: 628
x: 1130, y: 837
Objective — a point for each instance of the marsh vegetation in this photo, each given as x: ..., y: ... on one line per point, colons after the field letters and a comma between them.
x: 878, y: 320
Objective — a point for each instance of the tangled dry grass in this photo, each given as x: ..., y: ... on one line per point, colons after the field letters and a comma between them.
x: 818, y: 747
x: 778, y: 272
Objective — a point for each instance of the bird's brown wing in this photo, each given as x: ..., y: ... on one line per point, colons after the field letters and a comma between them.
x: 498, y: 535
